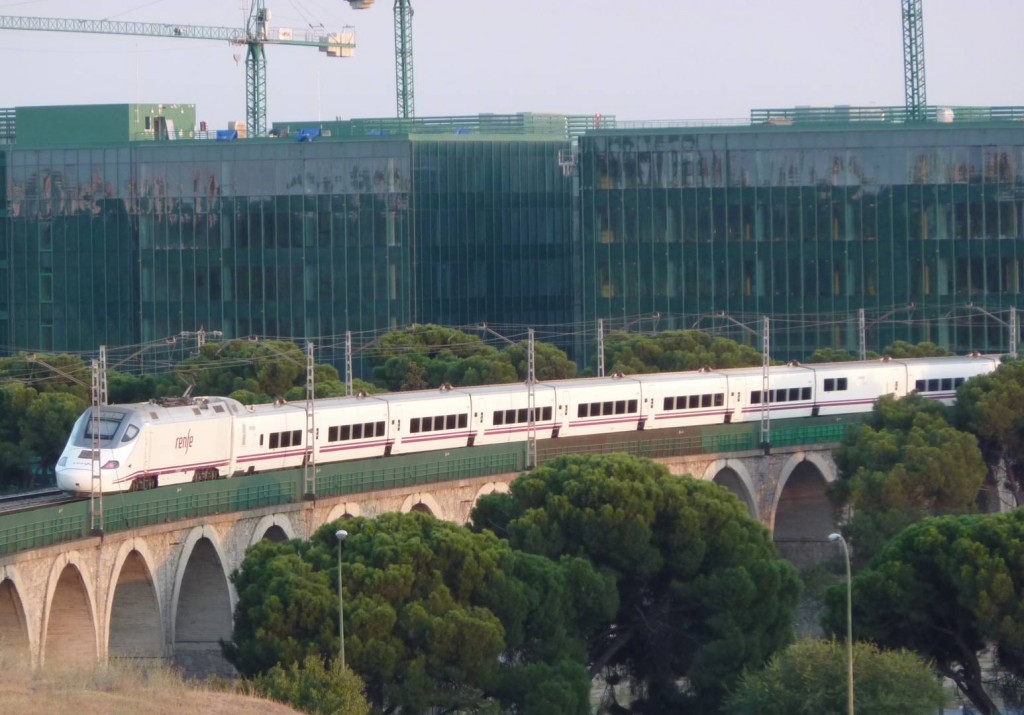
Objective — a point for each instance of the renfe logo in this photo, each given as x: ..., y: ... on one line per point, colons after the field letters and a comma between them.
x: 184, y: 442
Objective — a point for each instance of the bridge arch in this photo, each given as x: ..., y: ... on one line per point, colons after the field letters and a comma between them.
x: 69, y: 623
x: 342, y: 510
x: 133, y: 610
x: 276, y: 527
x: 802, y: 516
x: 15, y: 635
x: 201, y: 605
x: 733, y: 475
x: 423, y: 502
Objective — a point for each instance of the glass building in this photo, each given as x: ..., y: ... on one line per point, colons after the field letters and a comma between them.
x: 357, y: 227
x: 809, y: 220
x: 121, y: 225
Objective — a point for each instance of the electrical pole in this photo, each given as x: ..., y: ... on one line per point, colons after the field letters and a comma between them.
x: 98, y: 394
x: 531, y: 404
x: 348, y: 363
x: 600, y: 347
x: 309, y: 463
x: 766, y: 393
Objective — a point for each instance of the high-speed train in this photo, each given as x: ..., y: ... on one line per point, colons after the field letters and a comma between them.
x: 164, y: 442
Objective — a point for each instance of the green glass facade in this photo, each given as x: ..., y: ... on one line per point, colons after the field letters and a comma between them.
x: 520, y: 220
x: 493, y: 226
x: 808, y: 225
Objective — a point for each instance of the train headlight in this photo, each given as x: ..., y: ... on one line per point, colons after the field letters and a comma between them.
x: 62, y: 462
x: 112, y: 464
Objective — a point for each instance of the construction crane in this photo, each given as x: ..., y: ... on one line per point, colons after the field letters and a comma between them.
x: 913, y: 61
x: 254, y: 36
x: 404, y: 86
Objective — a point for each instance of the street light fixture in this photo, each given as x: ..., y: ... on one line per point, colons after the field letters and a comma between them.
x: 849, y: 618
x: 342, y: 535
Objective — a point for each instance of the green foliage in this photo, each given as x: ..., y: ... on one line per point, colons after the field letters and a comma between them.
x: 426, y: 356
x: 435, y: 615
x: 992, y: 407
x: 702, y: 594
x: 948, y: 588
x: 674, y: 350
x: 835, y: 355
x: 268, y: 369
x: 314, y: 689
x: 810, y: 677
x: 901, y: 349
x: 904, y: 463
x: 285, y: 609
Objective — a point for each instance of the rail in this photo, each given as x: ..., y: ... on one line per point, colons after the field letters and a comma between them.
x: 50, y: 525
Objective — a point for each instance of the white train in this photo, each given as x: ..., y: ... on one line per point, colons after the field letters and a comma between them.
x: 169, y: 442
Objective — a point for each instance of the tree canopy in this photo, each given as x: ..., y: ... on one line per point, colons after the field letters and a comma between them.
x: 992, y: 407
x: 674, y: 350
x: 702, y: 594
x: 435, y: 615
x: 810, y: 677
x: 903, y: 463
x: 948, y: 588
x: 425, y: 356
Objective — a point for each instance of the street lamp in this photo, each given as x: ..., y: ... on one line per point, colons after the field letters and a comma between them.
x: 342, y: 535
x: 849, y: 618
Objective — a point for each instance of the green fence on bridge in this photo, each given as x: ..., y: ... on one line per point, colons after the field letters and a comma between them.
x: 131, y: 510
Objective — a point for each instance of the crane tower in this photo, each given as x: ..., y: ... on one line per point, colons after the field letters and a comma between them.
x: 913, y: 61
x: 254, y: 36
x: 404, y: 86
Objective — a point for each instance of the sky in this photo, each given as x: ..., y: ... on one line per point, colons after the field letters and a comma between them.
x: 638, y: 60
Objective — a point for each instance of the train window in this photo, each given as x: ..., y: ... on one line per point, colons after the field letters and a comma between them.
x: 620, y: 407
x: 332, y: 434
x: 608, y: 409
x: 546, y: 414
x: 830, y: 384
x: 510, y: 416
x: 670, y: 403
x: 719, y: 399
x: 286, y: 439
x: 805, y: 393
x: 705, y: 400
x: 582, y: 412
x: 346, y: 433
x: 368, y: 429
x: 694, y: 401
x: 380, y: 428
x: 275, y: 439
x: 920, y: 385
x: 499, y: 417
x: 958, y: 381
x: 218, y: 408
x: 414, y: 425
x: 261, y: 440
x: 778, y: 395
x: 755, y: 397
x: 357, y: 431
x: 463, y: 421
x: 933, y: 385
x: 129, y: 434
x: 631, y: 407
x: 297, y: 436
x: 109, y: 422
x: 521, y: 416
x: 450, y: 421
x: 439, y: 421
x: 947, y: 383
x: 794, y: 394
x: 840, y: 383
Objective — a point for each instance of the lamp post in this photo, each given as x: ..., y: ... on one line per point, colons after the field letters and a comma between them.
x: 341, y: 534
x: 849, y: 618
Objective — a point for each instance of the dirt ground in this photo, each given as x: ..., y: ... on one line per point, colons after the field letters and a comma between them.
x: 122, y: 691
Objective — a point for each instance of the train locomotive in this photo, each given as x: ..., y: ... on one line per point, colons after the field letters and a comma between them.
x: 164, y: 442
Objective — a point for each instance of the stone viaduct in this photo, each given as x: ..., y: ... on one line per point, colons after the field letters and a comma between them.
x: 164, y: 592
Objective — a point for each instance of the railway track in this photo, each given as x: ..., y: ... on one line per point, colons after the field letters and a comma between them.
x: 13, y: 503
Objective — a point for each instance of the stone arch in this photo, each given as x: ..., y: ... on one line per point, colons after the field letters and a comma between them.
x: 135, y: 628
x: 342, y: 510
x: 14, y: 631
x: 201, y: 606
x: 275, y: 527
x: 69, y: 625
x: 423, y: 502
x: 491, y: 488
x: 733, y: 475
x: 803, y: 516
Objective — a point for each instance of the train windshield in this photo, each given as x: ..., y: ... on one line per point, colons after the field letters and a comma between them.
x: 109, y: 423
